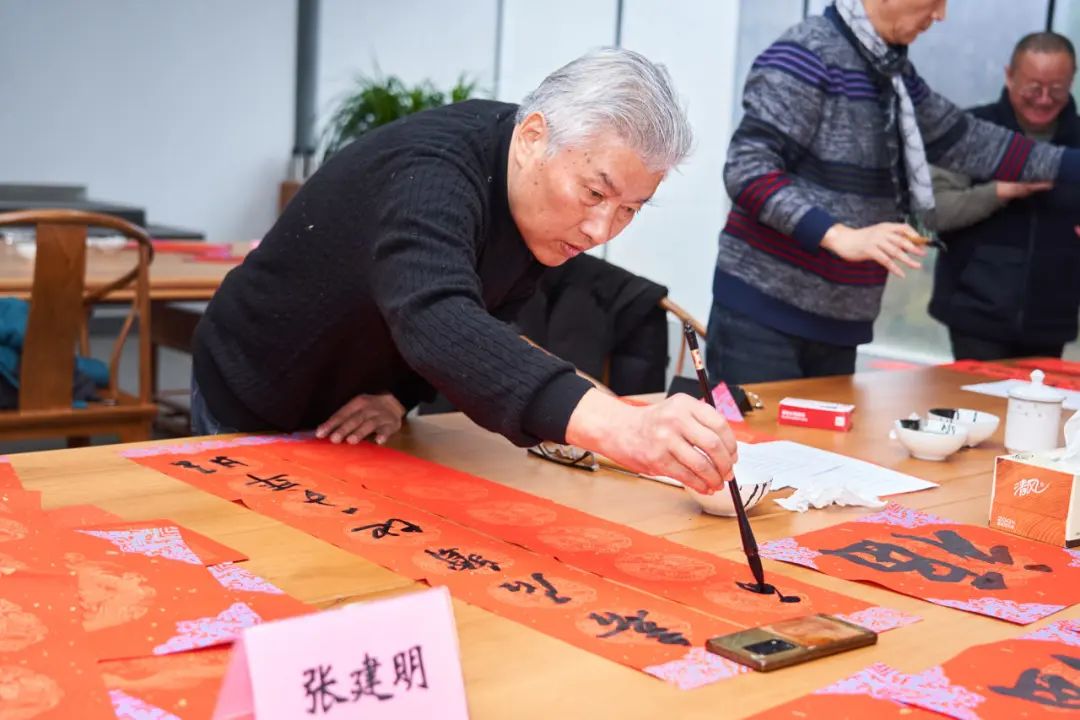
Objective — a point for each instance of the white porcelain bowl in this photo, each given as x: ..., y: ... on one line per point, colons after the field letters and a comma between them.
x: 752, y: 489
x: 979, y: 425
x: 933, y: 438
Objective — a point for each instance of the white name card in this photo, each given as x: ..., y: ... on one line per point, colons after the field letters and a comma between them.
x: 392, y: 658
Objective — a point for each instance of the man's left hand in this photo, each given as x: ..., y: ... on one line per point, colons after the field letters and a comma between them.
x: 362, y: 416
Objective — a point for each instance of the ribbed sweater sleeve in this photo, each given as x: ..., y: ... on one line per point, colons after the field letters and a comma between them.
x: 783, y: 100
x: 426, y: 286
x: 958, y: 141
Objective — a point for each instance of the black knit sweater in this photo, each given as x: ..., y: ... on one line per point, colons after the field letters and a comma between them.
x: 386, y: 273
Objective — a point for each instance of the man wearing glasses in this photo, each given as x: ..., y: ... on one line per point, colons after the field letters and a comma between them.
x: 1009, y: 283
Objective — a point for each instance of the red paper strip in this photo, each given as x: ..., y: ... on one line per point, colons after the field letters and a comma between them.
x: 1054, y: 365
x: 656, y: 565
x: 497, y: 547
x: 620, y: 623
x: 46, y: 667
x: 1066, y: 380
x: 864, y: 695
x: 208, y: 550
x: 154, y: 597
x: 962, y: 566
x: 1037, y: 675
x: 8, y: 478
x: 1006, y: 680
x: 184, y: 684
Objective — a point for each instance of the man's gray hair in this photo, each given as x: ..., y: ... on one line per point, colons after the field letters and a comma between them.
x: 611, y: 89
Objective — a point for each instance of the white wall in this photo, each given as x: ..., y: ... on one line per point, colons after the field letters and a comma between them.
x: 186, y: 108
x: 183, y: 108
x: 415, y: 40
x: 674, y: 240
x: 540, y: 37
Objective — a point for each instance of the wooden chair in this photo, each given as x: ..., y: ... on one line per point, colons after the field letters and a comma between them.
x: 683, y: 317
x: 60, y: 308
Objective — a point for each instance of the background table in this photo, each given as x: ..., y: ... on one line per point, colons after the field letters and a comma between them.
x: 173, y: 276
x: 514, y: 671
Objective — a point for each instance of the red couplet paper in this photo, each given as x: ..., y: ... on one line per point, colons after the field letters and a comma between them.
x: 962, y: 566
x: 149, y: 594
x: 1060, y: 374
x: 8, y: 478
x: 183, y: 684
x: 47, y: 667
x: 657, y: 565
x: 867, y: 694
x: 523, y: 557
x: 1035, y: 676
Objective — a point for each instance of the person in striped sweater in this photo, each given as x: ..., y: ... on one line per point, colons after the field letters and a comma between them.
x: 829, y: 176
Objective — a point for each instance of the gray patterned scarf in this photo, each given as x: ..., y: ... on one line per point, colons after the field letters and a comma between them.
x: 891, y: 62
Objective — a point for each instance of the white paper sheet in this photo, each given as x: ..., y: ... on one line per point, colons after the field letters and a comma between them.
x: 1001, y: 389
x: 800, y: 466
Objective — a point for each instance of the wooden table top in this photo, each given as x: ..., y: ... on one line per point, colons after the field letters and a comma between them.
x: 173, y: 276
x: 514, y: 671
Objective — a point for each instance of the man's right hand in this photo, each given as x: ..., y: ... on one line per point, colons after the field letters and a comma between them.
x: 1007, y: 191
x: 679, y: 437
x: 885, y: 243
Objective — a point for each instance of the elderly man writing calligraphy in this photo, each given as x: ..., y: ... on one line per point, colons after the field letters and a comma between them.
x: 828, y: 170
x: 387, y: 274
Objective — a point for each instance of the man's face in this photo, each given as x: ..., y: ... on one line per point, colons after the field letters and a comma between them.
x: 576, y: 198
x: 1038, y: 84
x: 901, y: 21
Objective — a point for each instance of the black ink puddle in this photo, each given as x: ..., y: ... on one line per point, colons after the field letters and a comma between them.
x: 767, y: 589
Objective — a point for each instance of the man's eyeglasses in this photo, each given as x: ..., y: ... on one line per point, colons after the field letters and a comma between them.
x: 566, y: 455
x: 1034, y: 91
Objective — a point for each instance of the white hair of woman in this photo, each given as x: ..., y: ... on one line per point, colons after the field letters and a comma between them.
x: 616, y: 90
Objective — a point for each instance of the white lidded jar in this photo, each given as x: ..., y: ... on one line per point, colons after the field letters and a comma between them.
x: 1034, y: 416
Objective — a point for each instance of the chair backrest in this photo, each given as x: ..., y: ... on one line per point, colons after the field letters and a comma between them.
x: 683, y: 317
x: 60, y: 306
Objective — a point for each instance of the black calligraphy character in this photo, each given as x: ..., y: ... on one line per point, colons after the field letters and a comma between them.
x: 956, y: 544
x: 529, y: 588
x: 317, y: 684
x: 365, y: 681
x: 409, y: 664
x: 381, y: 530
x: 889, y: 558
x: 227, y: 462
x: 276, y: 483
x: 312, y: 497
x: 350, y: 511
x: 456, y: 561
x: 639, y: 624
x: 1046, y: 688
x: 188, y: 465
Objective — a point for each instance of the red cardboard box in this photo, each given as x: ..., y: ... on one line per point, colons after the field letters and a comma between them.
x: 815, y: 414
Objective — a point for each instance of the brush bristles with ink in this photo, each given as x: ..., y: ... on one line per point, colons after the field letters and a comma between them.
x: 746, y: 533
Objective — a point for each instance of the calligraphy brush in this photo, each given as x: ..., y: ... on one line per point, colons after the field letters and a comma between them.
x: 749, y: 544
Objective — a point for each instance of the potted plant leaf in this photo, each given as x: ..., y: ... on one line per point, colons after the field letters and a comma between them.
x: 377, y: 100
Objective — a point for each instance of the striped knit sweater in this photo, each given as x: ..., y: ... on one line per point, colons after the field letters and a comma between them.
x: 811, y: 151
